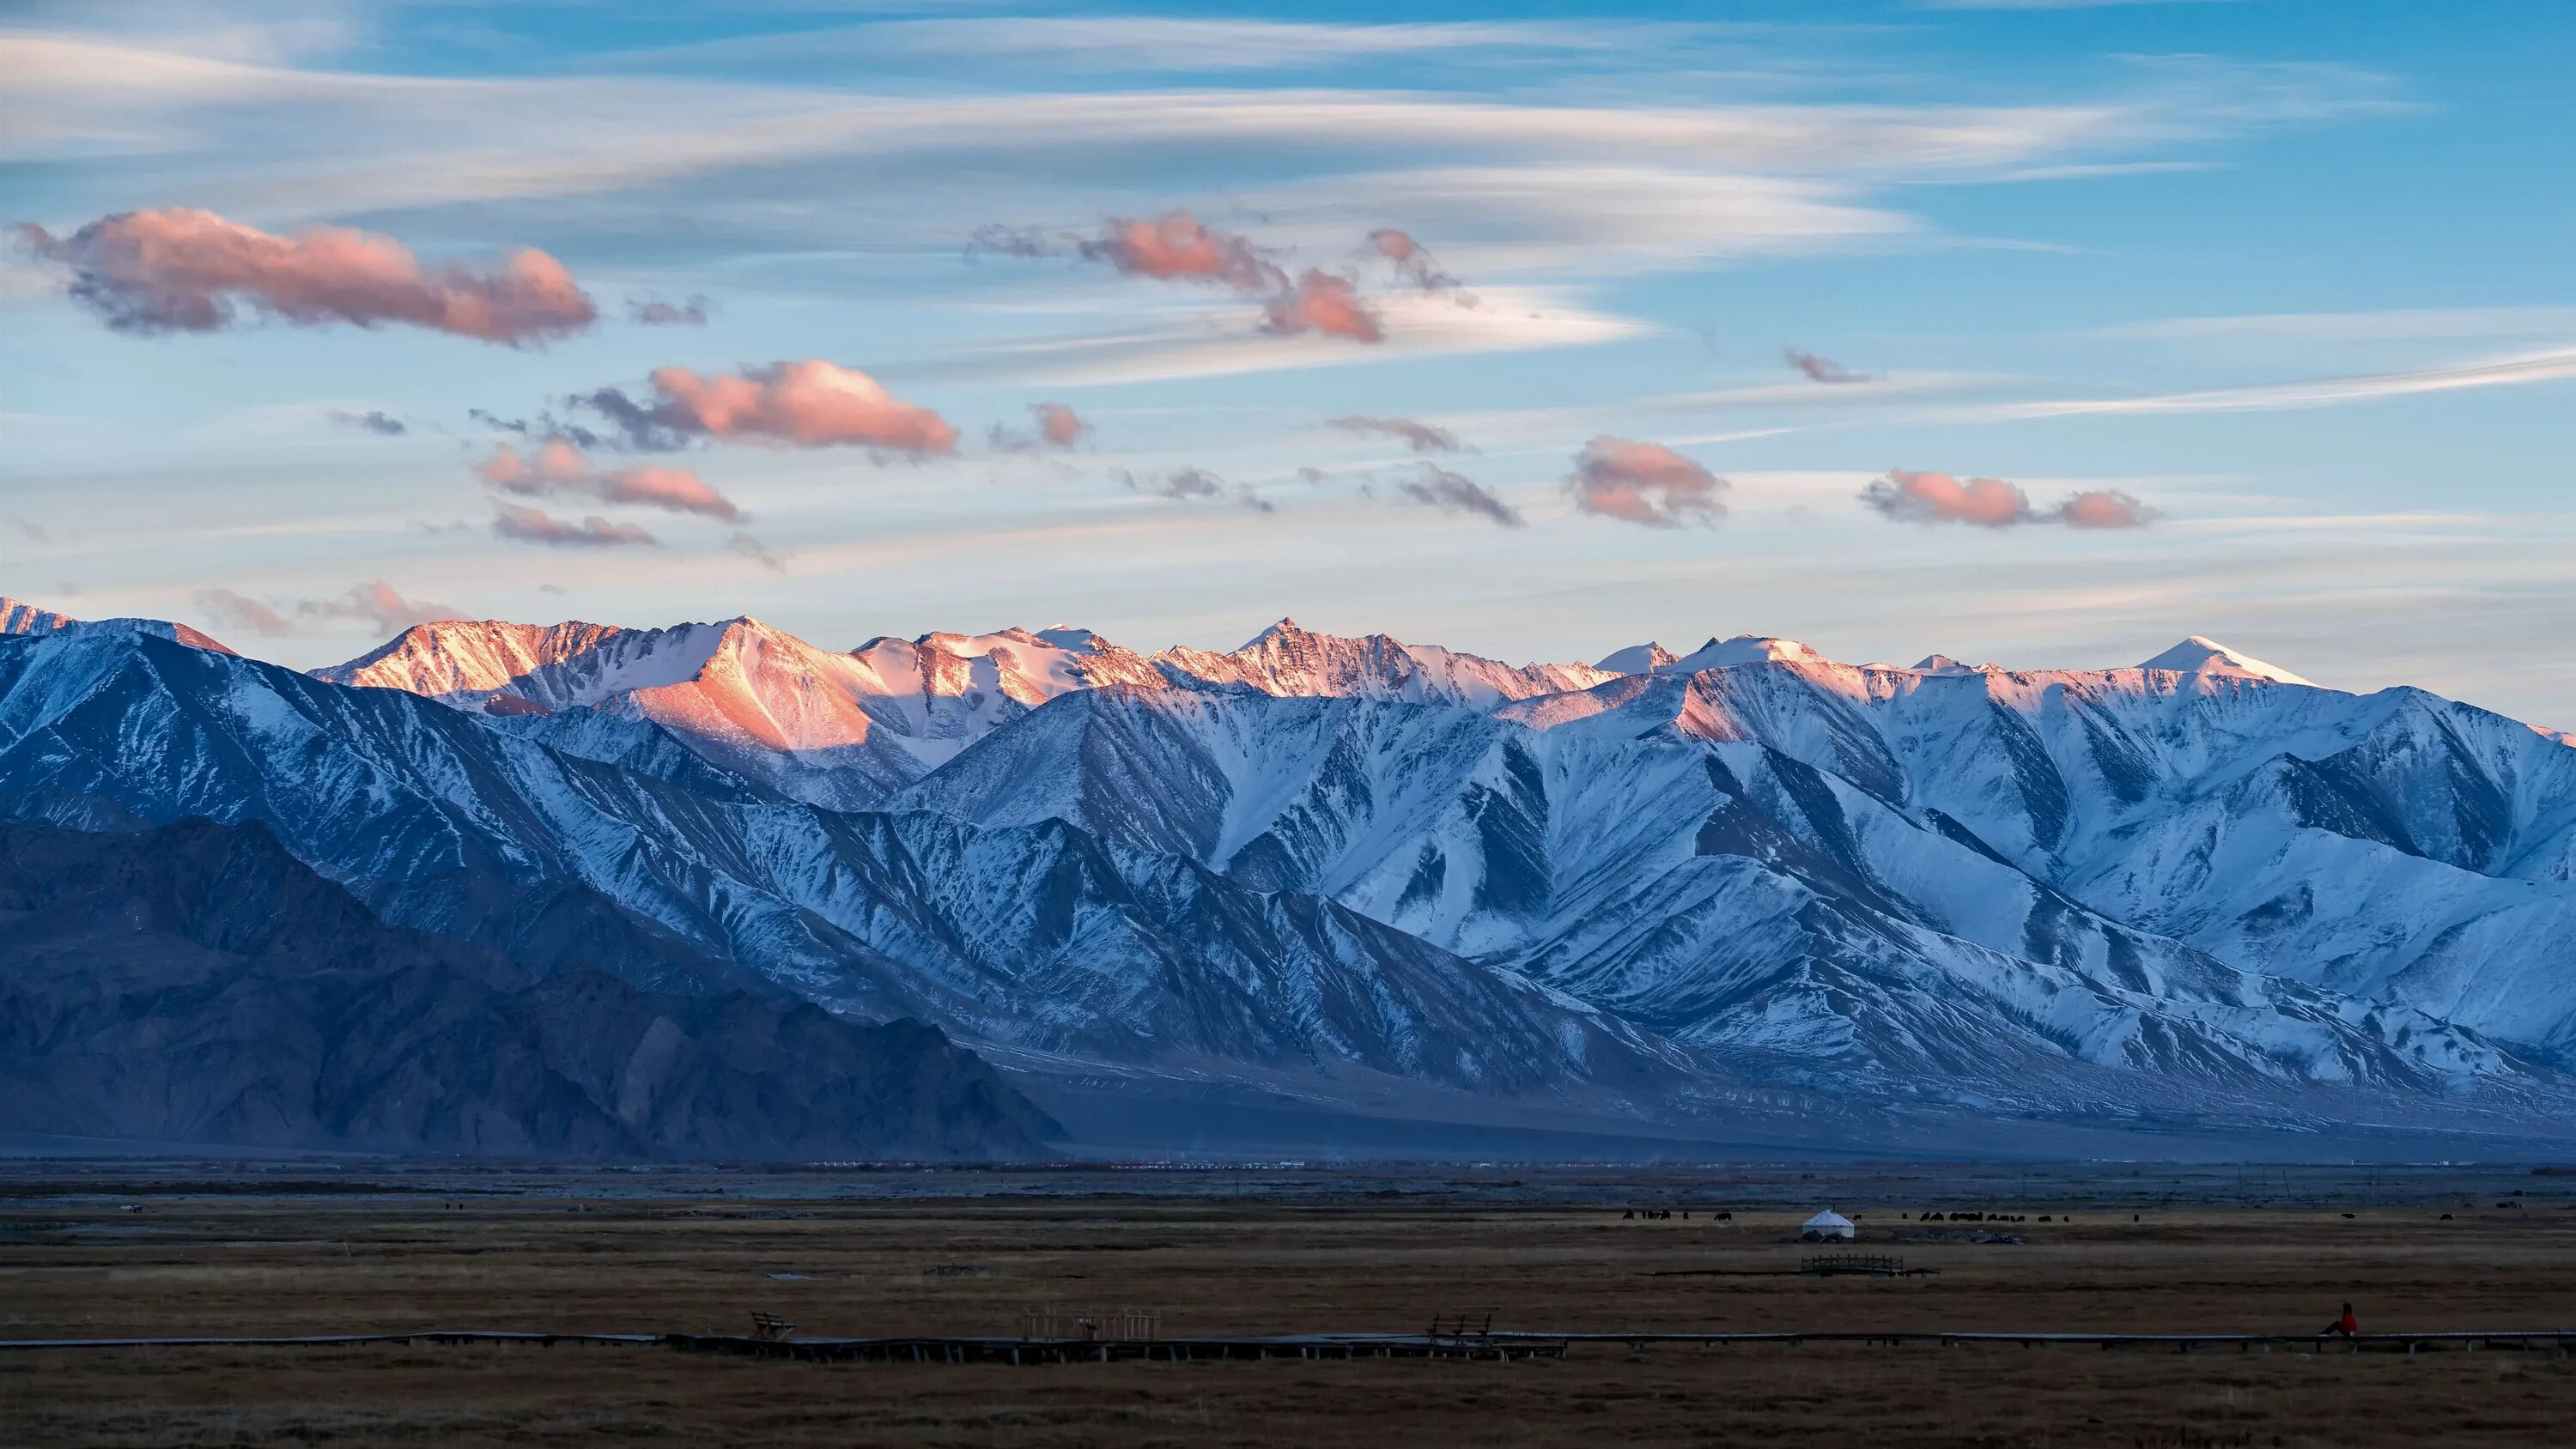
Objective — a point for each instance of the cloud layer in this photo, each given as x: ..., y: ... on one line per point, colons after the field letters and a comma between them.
x: 1931, y: 497
x: 182, y: 270
x: 1644, y: 483
x: 534, y: 525
x: 810, y: 404
x: 556, y: 468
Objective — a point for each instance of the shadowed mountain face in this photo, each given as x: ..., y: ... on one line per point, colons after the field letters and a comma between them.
x: 197, y: 983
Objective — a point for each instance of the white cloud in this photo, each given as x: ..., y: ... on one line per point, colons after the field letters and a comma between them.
x: 2421, y: 324
x: 2321, y: 392
x: 1156, y: 42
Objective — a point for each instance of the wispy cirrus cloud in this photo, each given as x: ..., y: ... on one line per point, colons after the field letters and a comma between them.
x: 1113, y: 43
x: 1421, y: 437
x: 1194, y: 483
x: 1452, y: 492
x: 2414, y: 324
x: 1417, y: 326
x: 743, y: 545
x: 2553, y: 365
x: 182, y: 270
x: 1933, y: 497
x: 382, y: 424
x: 663, y: 312
x: 1822, y: 369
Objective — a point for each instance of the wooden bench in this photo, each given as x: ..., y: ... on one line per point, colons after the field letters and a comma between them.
x: 770, y: 1328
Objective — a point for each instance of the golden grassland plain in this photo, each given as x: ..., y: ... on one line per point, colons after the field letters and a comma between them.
x: 236, y: 1258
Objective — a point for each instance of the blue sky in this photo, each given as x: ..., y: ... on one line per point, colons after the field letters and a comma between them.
x: 2291, y: 274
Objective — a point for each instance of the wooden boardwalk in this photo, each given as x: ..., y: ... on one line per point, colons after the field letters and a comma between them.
x: 1498, y: 1345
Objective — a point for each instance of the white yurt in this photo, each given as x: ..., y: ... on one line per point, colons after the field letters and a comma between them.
x: 1827, y: 1226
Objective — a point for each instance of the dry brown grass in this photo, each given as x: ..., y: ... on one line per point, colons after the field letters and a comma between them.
x: 220, y: 1265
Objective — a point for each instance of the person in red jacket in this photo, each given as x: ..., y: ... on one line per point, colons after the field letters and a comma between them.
x: 2344, y: 1327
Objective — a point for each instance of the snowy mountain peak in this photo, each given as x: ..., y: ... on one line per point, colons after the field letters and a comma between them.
x: 1285, y: 630
x: 1745, y: 649
x: 1637, y: 659
x: 24, y: 618
x: 1944, y: 664
x: 1288, y: 661
x: 2197, y: 655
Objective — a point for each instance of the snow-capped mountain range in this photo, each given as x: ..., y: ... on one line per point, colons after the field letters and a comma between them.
x: 2198, y: 887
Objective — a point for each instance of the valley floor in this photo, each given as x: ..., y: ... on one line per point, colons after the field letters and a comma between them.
x: 289, y: 1248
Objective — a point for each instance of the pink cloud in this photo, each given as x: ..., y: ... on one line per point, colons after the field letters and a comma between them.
x: 1645, y: 483
x: 1930, y: 497
x: 1057, y: 426
x: 1177, y: 246
x: 1323, y: 302
x: 2104, y: 508
x: 556, y: 468
x: 1412, y: 261
x: 809, y: 404
x: 378, y: 604
x: 239, y: 613
x: 181, y: 270
x: 1060, y: 424
x: 533, y: 525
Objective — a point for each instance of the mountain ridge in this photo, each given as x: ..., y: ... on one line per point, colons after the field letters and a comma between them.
x: 2082, y: 895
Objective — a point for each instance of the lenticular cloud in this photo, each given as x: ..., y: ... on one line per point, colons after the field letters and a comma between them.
x: 810, y: 404
x: 1932, y: 497
x: 1645, y: 483
x: 180, y: 270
